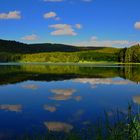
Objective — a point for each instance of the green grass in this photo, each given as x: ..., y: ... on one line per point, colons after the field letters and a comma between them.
x: 97, y: 55
x: 100, y: 55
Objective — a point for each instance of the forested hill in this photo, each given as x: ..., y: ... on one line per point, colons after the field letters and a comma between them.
x: 17, y: 47
x: 12, y: 51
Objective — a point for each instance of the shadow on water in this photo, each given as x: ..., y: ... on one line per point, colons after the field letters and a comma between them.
x: 19, y: 73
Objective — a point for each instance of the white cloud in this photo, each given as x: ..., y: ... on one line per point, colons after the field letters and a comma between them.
x: 62, y: 29
x: 11, y: 15
x: 60, y: 26
x: 107, y: 43
x: 51, y: 15
x: 30, y: 37
x: 78, y: 26
x: 93, y: 41
x: 137, y: 25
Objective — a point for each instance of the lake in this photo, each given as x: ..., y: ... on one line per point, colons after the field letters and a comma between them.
x: 63, y: 97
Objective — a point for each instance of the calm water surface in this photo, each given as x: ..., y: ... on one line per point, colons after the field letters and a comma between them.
x: 62, y: 98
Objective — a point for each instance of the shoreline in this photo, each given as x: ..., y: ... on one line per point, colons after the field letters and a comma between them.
x: 68, y: 63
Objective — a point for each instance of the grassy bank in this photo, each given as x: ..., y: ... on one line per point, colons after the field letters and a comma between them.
x: 106, y: 55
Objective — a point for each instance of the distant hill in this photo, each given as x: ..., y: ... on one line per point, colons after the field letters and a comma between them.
x: 12, y: 51
x: 17, y: 47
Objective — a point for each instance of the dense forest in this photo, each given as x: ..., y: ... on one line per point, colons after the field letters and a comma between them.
x: 17, y: 47
x: 12, y: 51
x: 128, y: 55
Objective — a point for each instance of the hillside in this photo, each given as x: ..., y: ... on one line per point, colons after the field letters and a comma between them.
x: 12, y: 51
x: 17, y: 47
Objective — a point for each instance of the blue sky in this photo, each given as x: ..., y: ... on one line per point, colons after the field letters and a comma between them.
x: 78, y: 22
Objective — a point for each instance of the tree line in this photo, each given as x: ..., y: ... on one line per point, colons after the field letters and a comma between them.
x: 18, y: 47
x: 130, y: 55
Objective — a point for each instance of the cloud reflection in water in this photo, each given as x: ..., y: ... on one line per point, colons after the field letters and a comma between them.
x: 62, y: 94
x: 14, y: 108
x: 58, y: 126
